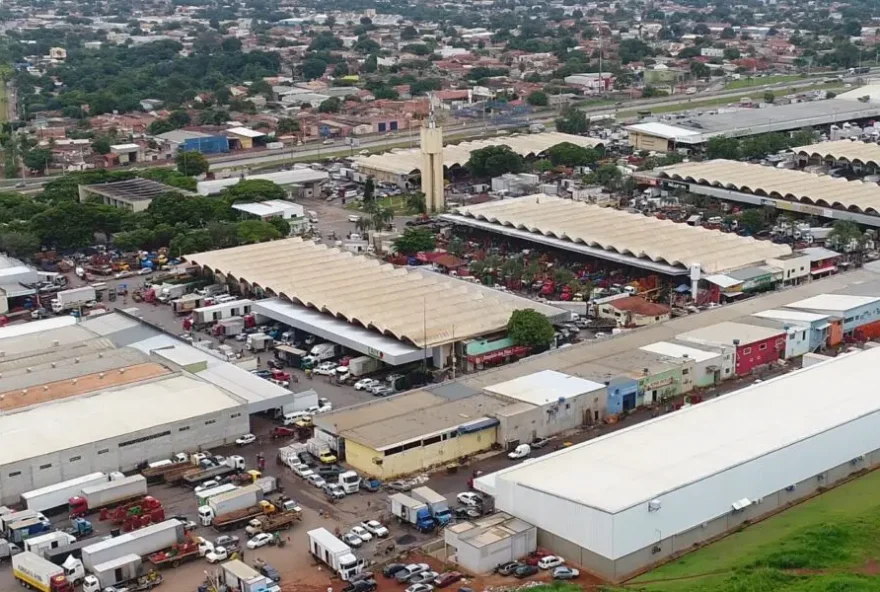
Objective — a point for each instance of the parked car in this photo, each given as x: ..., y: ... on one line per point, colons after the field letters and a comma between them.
x: 469, y: 498
x: 375, y: 527
x: 410, y: 570
x: 245, y: 440
x: 316, y: 480
x: 362, y: 533
x: 402, y: 486
x: 550, y: 561
x: 364, y: 384
x: 383, y: 391
x: 524, y: 571
x: 466, y: 512
x: 420, y: 588
x: 447, y: 578
x: 270, y: 572
x: 307, y: 458
x: 352, y: 540
x: 507, y: 569
x: 391, y: 569
x: 302, y: 470
x: 361, y: 586
x: 563, y: 572
x: 426, y: 577
x: 225, y: 540
x: 540, y: 442
x: 353, y: 218
x: 325, y: 369
x: 261, y: 540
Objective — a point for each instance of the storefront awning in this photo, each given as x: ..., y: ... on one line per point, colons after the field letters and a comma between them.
x: 820, y: 271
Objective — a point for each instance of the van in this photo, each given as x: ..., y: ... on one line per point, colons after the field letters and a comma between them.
x: 292, y: 418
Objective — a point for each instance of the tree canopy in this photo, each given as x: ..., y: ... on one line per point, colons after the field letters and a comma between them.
x: 568, y: 154
x: 415, y: 240
x: 192, y: 163
x: 529, y: 327
x: 493, y: 161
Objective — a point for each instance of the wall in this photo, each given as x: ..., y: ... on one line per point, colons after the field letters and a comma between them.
x: 108, y: 455
x: 419, y: 458
x: 209, y: 145
x: 622, y: 395
x: 483, y: 559
x: 797, y: 341
x: 794, y: 269
x: 645, y: 142
x: 551, y: 419
x: 759, y: 353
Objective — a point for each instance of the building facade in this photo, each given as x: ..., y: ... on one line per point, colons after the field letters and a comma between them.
x: 755, y: 346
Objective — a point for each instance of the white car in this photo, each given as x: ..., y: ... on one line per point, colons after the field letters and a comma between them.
x: 468, y: 498
x: 550, y: 561
x: 123, y: 274
x: 261, y: 540
x: 364, y: 384
x: 316, y: 480
x: 206, y: 485
x: 145, y: 271
x: 217, y: 555
x: 354, y: 218
x: 325, y: 369
x: 245, y: 440
x: 420, y: 588
x: 352, y: 539
x: 362, y: 533
x: 375, y: 527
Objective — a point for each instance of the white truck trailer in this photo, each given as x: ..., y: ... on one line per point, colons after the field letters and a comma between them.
x: 141, y: 542
x: 57, y: 496
x: 32, y: 571
x: 226, y: 503
x: 329, y: 550
x: 238, y: 575
x: 72, y: 299
x: 219, y: 312
x: 364, y: 365
x: 48, y: 541
x: 95, y: 497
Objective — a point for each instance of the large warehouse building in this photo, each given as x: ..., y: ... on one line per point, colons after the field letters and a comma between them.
x: 109, y: 393
x: 643, y: 242
x: 630, y: 499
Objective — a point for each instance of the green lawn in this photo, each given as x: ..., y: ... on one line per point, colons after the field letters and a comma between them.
x: 829, y: 543
x: 750, y: 82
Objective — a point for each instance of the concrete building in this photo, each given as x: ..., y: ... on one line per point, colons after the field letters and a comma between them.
x: 134, y: 195
x: 634, y: 311
x: 708, y: 365
x: 431, y: 146
x: 795, y: 267
x: 818, y: 326
x: 123, y: 392
x: 755, y: 346
x: 854, y: 310
x: 127, y: 153
x: 480, y: 545
x: 545, y: 404
x: 243, y: 138
x: 644, y: 494
x: 273, y: 208
x: 301, y: 182
x: 191, y: 141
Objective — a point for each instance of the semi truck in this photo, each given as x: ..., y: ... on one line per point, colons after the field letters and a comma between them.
x: 412, y: 511
x: 187, y: 303
x: 72, y: 299
x: 116, y: 572
x: 169, y: 292
x: 95, y: 497
x: 48, y: 541
x: 350, y: 482
x: 229, y: 327
x: 11, y: 519
x: 142, y: 543
x: 322, y: 352
x: 362, y: 365
x: 329, y: 550
x: 155, y: 472
x: 437, y: 504
x: 203, y: 496
x: 57, y: 496
x: 289, y: 355
x: 32, y: 571
x: 232, y: 464
x: 226, y: 506
x: 22, y: 530
x: 173, y: 556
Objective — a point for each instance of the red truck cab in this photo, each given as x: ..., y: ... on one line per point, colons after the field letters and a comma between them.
x: 60, y: 583
x: 280, y: 374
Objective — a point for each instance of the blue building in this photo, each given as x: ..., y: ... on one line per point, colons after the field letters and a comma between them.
x: 855, y: 311
x: 622, y: 394
x: 816, y: 325
x: 190, y: 141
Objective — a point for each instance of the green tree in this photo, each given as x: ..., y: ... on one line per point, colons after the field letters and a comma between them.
x: 608, y: 175
x: 573, y: 121
x: 286, y: 125
x: 571, y: 155
x: 804, y: 137
x: 700, y: 70
x: 769, y: 96
x: 251, y: 190
x: 19, y: 244
x: 280, y: 224
x: 722, y: 147
x: 493, y: 161
x: 846, y: 235
x: 37, y: 159
x: 340, y: 70
x: 101, y: 146
x: 408, y: 33
x: 531, y: 328
x: 415, y: 240
x: 256, y: 231
x: 415, y: 203
x: 728, y: 33
x: 371, y: 64
x: 314, y: 68
x: 179, y: 118
x: 752, y: 220
x: 192, y: 163
x: 160, y: 126
x: 331, y: 105
x: 538, y: 98
x: 369, y: 191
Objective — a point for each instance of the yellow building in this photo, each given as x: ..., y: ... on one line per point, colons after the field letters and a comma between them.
x: 243, y: 136
x: 413, y: 432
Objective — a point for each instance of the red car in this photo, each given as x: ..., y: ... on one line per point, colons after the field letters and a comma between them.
x: 535, y: 556
x: 447, y: 578
x: 282, y: 432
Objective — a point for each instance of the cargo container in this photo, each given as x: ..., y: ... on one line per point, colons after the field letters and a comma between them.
x: 118, y: 571
x: 7, y: 519
x: 238, y: 575
x: 48, y: 541
x: 58, y: 495
x: 22, y: 530
x: 72, y: 299
x: 100, y: 496
x: 187, y: 303
x: 59, y: 556
x: 222, y: 311
x: 32, y: 571
x: 364, y: 365
x: 243, y: 497
x: 142, y: 543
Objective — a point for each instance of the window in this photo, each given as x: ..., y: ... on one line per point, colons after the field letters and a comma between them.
x: 75, y: 458
x: 49, y: 466
x: 684, y: 371
x: 747, y: 350
x: 762, y: 347
x: 432, y: 440
x: 568, y: 405
x: 210, y: 421
x: 234, y: 415
x: 183, y: 429
x: 145, y: 439
x: 104, y: 451
x: 15, y: 473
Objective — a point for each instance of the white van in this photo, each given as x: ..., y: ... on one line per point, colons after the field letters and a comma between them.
x: 291, y: 418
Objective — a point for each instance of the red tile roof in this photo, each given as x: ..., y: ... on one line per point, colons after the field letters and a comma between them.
x: 640, y: 306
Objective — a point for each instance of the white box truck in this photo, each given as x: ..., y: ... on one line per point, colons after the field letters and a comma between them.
x: 141, y: 542
x: 238, y: 575
x: 48, y: 541
x: 72, y: 299
x: 364, y: 365
x: 227, y: 503
x: 334, y: 553
x: 32, y: 571
x: 58, y: 495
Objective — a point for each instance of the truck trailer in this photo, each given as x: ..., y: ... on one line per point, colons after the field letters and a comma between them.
x: 438, y: 504
x: 48, y: 541
x: 232, y: 464
x: 72, y: 299
x: 217, y: 312
x: 362, y: 365
x: 187, y: 303
x: 9, y: 520
x: 57, y: 496
x: 329, y: 550
x: 32, y: 571
x: 115, y: 572
x: 228, y: 506
x: 22, y: 530
x: 202, y: 497
x: 141, y: 542
x: 238, y: 575
x: 412, y: 511
x: 95, y: 497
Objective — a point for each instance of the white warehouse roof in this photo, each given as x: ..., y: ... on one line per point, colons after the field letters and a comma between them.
x: 833, y: 302
x: 677, y: 350
x: 762, y: 423
x: 91, y: 418
x: 547, y: 386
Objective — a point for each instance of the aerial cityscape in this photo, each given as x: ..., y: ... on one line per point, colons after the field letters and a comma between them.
x: 386, y: 296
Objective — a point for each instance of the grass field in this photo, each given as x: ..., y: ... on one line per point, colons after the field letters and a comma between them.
x: 830, y: 543
x: 750, y: 82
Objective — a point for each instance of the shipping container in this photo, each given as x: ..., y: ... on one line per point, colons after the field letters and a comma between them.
x: 57, y: 496
x: 107, y: 494
x: 140, y: 542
